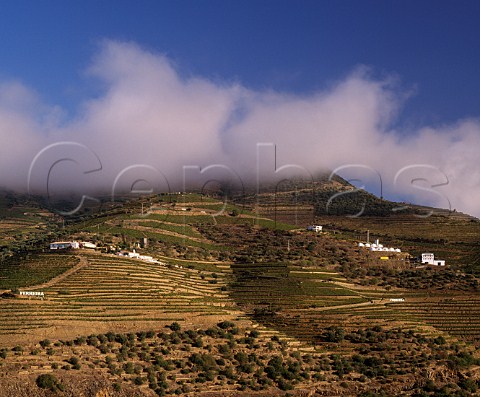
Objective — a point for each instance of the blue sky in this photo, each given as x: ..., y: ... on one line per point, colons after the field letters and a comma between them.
x: 382, y: 83
x: 292, y: 46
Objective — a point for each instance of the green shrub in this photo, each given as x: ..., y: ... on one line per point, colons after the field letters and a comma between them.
x: 80, y: 341
x: 48, y: 381
x: 138, y: 380
x: 175, y: 326
x: 226, y: 324
x: 468, y: 385
x: 73, y: 360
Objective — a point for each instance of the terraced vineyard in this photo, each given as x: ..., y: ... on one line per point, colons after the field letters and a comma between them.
x: 278, y: 285
x: 36, y: 269
x: 283, y: 297
x: 111, y: 293
x: 457, y: 315
x: 303, y: 303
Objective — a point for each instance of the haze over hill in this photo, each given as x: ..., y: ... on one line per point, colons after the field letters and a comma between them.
x: 149, y: 121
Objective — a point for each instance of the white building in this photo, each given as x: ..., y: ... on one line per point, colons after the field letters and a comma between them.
x: 133, y: 254
x: 86, y: 244
x: 429, y: 259
x: 147, y: 258
x: 63, y: 245
x: 59, y: 245
x: 315, y: 228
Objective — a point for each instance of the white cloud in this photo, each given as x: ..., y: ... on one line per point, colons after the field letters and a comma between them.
x: 149, y: 114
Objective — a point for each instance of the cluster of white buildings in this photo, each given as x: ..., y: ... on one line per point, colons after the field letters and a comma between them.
x: 64, y: 245
x: 136, y: 255
x: 427, y: 258
x: 376, y: 246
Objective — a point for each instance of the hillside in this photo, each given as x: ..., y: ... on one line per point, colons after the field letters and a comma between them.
x: 305, y: 311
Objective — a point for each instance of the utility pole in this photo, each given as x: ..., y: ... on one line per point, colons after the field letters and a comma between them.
x: 275, y: 159
x: 368, y: 236
x: 296, y: 205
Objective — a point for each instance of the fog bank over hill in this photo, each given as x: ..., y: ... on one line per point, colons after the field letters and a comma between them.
x: 149, y: 122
